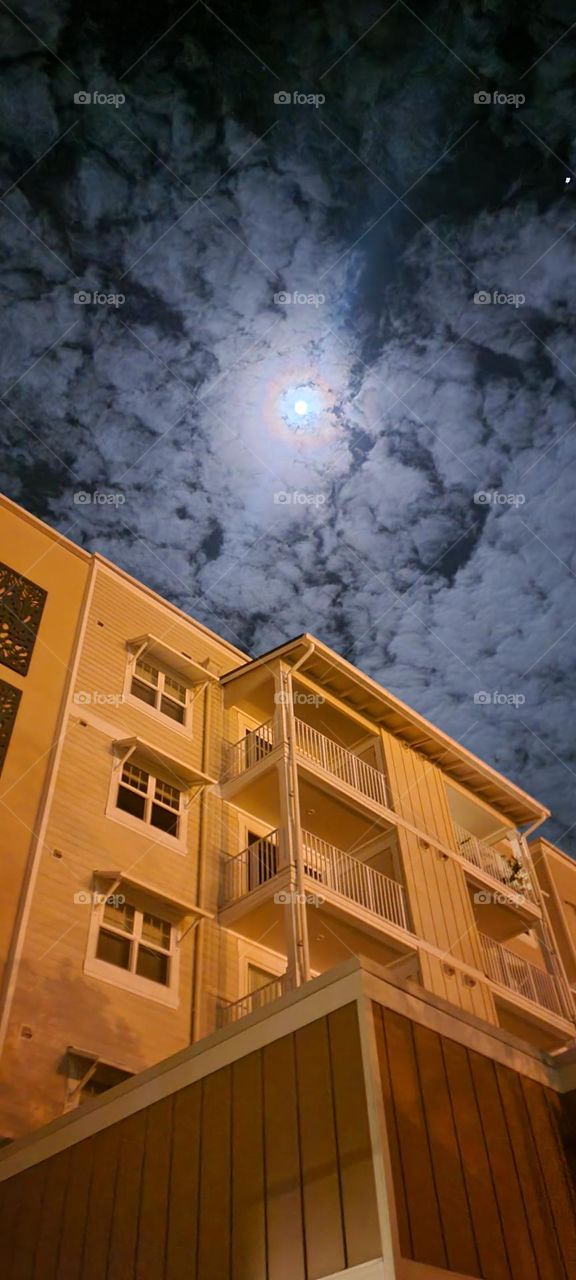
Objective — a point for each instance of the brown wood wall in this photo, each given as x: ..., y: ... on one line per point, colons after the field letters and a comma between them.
x: 479, y: 1165
x: 260, y: 1171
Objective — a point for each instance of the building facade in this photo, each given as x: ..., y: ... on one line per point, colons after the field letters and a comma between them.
x: 189, y: 835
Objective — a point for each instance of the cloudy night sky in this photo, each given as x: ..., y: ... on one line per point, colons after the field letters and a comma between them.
x: 241, y: 354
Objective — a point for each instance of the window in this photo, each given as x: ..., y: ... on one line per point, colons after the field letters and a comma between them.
x: 160, y: 690
x: 133, y: 940
x: 150, y: 799
x: 21, y: 606
x: 9, y: 703
x: 89, y: 1076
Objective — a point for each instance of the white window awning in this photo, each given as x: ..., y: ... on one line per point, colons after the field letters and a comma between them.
x: 176, y: 659
x: 181, y: 771
x: 179, y: 904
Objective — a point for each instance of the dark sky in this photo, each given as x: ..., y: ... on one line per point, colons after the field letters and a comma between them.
x: 379, y: 200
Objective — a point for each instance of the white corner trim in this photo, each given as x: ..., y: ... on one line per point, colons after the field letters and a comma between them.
x: 374, y: 1270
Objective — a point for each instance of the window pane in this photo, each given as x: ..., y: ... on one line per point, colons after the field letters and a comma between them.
x: 173, y: 709
x: 147, y: 672
x: 113, y: 949
x: 135, y: 777
x: 121, y: 915
x: 131, y: 802
x: 152, y: 965
x: 144, y: 692
x: 167, y: 794
x: 175, y: 689
x: 156, y: 930
x: 165, y: 819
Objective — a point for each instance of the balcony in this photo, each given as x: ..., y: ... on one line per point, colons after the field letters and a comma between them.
x: 341, y: 765
x: 231, y: 1010
x: 520, y: 976
x: 494, y: 864
x: 249, y: 869
x: 325, y: 761
x: 337, y: 872
x: 254, y: 747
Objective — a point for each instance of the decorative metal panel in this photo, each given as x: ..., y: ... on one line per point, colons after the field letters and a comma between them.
x: 9, y: 702
x: 21, y: 606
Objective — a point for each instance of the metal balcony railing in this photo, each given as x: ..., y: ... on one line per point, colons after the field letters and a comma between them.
x: 232, y: 1010
x: 335, y: 760
x: 249, y: 869
x: 525, y: 979
x: 354, y: 880
x: 492, y: 862
x: 328, y: 866
x: 340, y: 763
x: 250, y: 750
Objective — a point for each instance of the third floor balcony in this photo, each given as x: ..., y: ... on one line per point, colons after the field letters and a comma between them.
x: 325, y: 762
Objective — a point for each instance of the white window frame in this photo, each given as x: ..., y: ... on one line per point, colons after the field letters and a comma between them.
x: 142, y: 825
x: 128, y: 979
x: 163, y: 671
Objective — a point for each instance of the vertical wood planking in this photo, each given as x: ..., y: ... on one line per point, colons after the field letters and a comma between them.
x: 182, y: 1239
x: 51, y: 1217
x: 101, y: 1204
x: 154, y: 1191
x: 10, y: 1200
x: 539, y: 1217
x: 422, y: 1200
x: 400, y: 1200
x: 31, y: 1188
x: 125, y: 1214
x: 324, y: 1235
x: 554, y: 1170
x: 215, y: 1197
x: 523, y: 1263
x: 248, y: 1182
x: 481, y: 1194
x: 75, y: 1212
x: 283, y: 1181
x: 445, y: 1153
x: 358, y: 1188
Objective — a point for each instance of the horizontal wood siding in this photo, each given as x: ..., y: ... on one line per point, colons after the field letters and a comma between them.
x: 480, y: 1175
x: 260, y: 1171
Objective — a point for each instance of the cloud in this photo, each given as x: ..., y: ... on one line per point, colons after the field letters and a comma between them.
x: 177, y: 397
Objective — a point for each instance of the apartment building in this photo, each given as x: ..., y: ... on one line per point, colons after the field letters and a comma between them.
x: 210, y: 832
